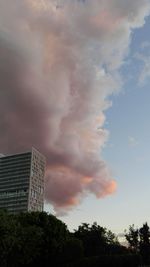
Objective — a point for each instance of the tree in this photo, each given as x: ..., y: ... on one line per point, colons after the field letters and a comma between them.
x: 111, y: 238
x: 144, y: 233
x: 139, y: 241
x: 96, y: 239
x: 31, y: 239
x: 72, y: 250
x: 133, y: 238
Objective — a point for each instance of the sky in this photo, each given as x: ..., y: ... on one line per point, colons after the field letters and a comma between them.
x: 128, y: 148
x: 74, y: 81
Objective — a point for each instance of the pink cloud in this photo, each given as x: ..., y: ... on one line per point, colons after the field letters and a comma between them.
x: 59, y: 63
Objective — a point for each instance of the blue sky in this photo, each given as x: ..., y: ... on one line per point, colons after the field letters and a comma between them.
x: 127, y: 151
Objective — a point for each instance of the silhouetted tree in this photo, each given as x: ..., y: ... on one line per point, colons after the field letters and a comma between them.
x: 132, y: 236
x: 39, y: 239
x: 139, y: 241
x: 31, y: 238
x: 96, y: 239
x: 144, y: 244
x: 72, y: 250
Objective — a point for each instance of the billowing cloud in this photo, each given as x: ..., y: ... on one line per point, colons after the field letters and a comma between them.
x: 59, y: 62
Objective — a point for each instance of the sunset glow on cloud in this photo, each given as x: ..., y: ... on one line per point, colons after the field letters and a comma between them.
x: 52, y: 96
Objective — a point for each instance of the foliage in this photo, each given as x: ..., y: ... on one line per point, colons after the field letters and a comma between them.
x: 40, y: 239
x: 133, y: 238
x: 130, y: 260
x: 144, y: 243
x: 96, y: 239
x: 30, y: 238
x: 139, y: 241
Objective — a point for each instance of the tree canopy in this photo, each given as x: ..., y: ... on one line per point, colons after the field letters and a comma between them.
x: 40, y: 239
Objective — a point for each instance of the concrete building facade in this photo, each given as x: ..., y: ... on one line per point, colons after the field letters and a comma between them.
x: 22, y: 182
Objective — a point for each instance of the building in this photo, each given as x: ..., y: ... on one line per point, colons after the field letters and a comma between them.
x: 22, y: 182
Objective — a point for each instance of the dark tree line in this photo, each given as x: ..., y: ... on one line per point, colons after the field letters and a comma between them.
x: 40, y: 239
x: 139, y: 241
